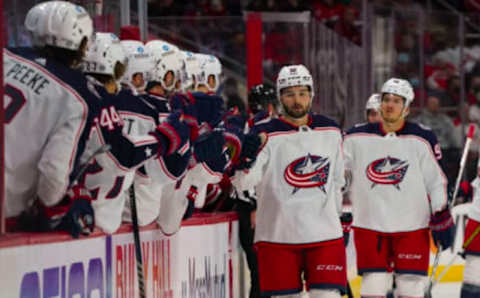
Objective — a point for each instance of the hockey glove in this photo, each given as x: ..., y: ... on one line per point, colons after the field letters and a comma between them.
x: 250, y: 148
x: 443, y: 228
x: 173, y: 135
x: 209, y: 146
x: 346, y: 220
x: 80, y: 217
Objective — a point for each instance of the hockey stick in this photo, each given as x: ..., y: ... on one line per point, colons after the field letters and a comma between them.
x: 138, y: 244
x: 84, y: 167
x: 460, y: 253
x: 463, y: 162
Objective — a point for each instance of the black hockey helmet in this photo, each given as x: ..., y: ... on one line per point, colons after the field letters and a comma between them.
x: 260, y: 96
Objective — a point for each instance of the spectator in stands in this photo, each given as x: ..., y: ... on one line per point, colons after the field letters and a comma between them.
x: 346, y: 25
x: 293, y: 5
x: 443, y: 127
x: 327, y: 11
x: 439, y: 122
x: 439, y: 72
x: 263, y: 5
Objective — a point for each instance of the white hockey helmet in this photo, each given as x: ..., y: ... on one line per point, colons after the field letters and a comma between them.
x: 167, y: 58
x: 209, y: 66
x: 399, y: 87
x: 373, y: 102
x: 103, y: 54
x: 139, y: 61
x: 294, y: 75
x: 36, y: 19
x: 190, y: 69
x: 65, y: 26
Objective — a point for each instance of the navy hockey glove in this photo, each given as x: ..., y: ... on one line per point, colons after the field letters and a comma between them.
x: 346, y: 220
x: 209, y: 146
x: 173, y: 135
x: 443, y: 228
x: 80, y: 216
x: 251, y: 146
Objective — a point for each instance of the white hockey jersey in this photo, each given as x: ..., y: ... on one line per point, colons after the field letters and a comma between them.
x: 298, y: 176
x: 474, y: 212
x: 397, y: 181
x: 45, y: 119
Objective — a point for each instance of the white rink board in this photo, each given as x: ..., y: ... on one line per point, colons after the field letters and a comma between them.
x: 199, y: 261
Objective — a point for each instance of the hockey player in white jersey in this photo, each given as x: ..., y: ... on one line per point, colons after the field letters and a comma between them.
x: 471, y: 273
x: 399, y: 195
x: 298, y: 174
x: 106, y: 178
x: 45, y: 116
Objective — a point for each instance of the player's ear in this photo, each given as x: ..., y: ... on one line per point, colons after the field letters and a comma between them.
x: 406, y: 111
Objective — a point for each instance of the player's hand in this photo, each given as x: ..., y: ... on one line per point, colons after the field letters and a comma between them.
x: 172, y: 134
x: 443, y: 228
x: 209, y: 146
x: 346, y: 219
x: 251, y: 145
x: 80, y: 216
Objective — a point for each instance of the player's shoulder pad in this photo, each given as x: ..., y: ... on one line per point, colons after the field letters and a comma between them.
x: 322, y: 121
x: 371, y: 128
x: 421, y: 131
x: 160, y: 104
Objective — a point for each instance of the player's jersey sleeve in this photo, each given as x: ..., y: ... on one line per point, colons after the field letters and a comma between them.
x: 433, y: 176
x: 245, y: 180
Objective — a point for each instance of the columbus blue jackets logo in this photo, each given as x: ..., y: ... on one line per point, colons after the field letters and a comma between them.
x: 389, y: 171
x: 307, y: 172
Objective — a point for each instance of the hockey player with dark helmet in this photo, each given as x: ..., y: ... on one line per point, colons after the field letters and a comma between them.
x: 262, y: 97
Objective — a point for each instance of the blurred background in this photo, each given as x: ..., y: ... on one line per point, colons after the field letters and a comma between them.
x: 350, y: 46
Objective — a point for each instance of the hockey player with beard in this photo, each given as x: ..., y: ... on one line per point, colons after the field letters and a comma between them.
x: 399, y: 195
x: 298, y: 175
x: 471, y: 273
x: 107, y: 178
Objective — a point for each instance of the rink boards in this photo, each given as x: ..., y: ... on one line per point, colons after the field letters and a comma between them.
x: 202, y: 260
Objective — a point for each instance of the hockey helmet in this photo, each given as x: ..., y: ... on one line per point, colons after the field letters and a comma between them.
x: 399, y: 87
x: 65, y: 26
x: 139, y: 61
x: 260, y: 96
x: 373, y: 102
x: 209, y: 66
x: 294, y: 75
x: 103, y: 54
x: 189, y: 70
x: 167, y: 59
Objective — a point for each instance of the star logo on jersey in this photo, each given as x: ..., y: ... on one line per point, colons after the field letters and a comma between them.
x: 148, y: 152
x: 388, y: 171
x: 307, y: 172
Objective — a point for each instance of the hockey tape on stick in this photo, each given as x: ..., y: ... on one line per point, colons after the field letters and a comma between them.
x: 463, y: 161
x: 138, y: 244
